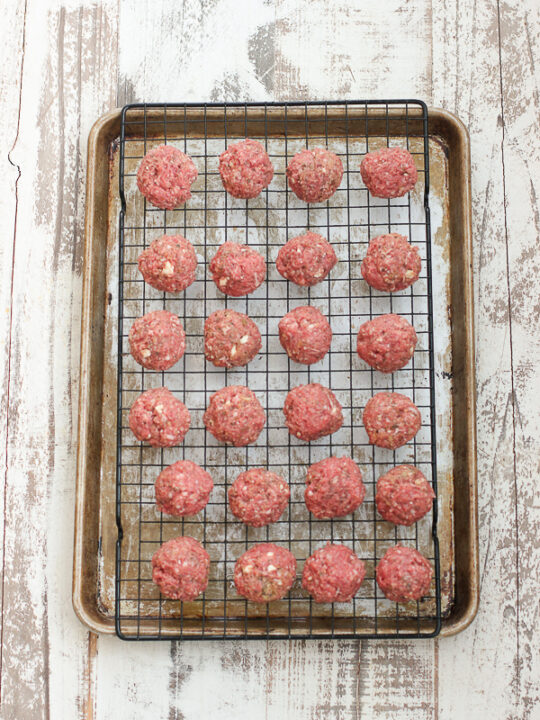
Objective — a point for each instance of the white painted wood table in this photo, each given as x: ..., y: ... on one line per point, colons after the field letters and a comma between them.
x: 66, y: 63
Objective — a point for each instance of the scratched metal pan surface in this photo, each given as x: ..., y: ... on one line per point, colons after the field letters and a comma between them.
x: 96, y: 534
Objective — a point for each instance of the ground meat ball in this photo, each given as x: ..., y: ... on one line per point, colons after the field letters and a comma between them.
x: 231, y: 339
x: 245, y: 169
x: 312, y: 411
x: 258, y: 497
x: 158, y: 418
x: 265, y: 572
x: 169, y: 263
x: 157, y: 340
x: 389, y: 172
x: 165, y: 177
x: 183, y: 488
x: 403, y: 495
x: 237, y: 269
x: 180, y: 568
x: 234, y: 415
x: 334, y: 487
x: 391, y: 420
x: 391, y: 263
x: 305, y: 334
x: 306, y: 259
x: 333, y: 574
x: 403, y: 574
x: 387, y: 342
x: 314, y: 175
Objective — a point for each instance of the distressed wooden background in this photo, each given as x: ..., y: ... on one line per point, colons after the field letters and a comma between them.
x: 64, y: 64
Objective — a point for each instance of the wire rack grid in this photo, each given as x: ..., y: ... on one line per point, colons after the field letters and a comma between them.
x: 349, y: 219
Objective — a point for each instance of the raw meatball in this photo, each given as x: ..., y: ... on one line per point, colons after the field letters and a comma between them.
x: 245, y: 169
x: 169, y: 263
x: 333, y: 574
x: 157, y: 340
x: 180, y: 568
x: 165, y: 177
x: 403, y: 495
x: 158, y: 418
x: 237, y: 269
x: 183, y: 488
x: 265, y: 572
x: 306, y: 259
x: 391, y: 263
x: 389, y: 172
x: 305, y: 334
x: 403, y: 574
x: 387, y: 342
x: 234, y: 415
x: 334, y: 487
x: 312, y: 411
x: 231, y: 339
x: 391, y: 420
x: 258, y: 497
x: 314, y: 175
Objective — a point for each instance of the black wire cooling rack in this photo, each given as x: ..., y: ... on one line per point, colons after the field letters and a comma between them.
x: 349, y: 219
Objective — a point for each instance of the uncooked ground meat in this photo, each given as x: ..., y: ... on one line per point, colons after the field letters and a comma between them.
x: 391, y: 263
x: 237, y: 269
x: 312, y: 411
x: 306, y: 259
x: 234, y: 415
x: 391, y: 420
x: 183, y: 488
x: 157, y: 340
x: 334, y: 487
x: 245, y: 169
x: 387, y: 342
x: 165, y: 177
x: 231, y: 339
x: 157, y: 417
x: 305, y: 334
x: 389, y: 172
x: 180, y: 568
x: 333, y: 573
x: 314, y: 175
x: 169, y: 263
x: 404, y: 574
x: 265, y: 573
x: 258, y: 497
x: 404, y: 495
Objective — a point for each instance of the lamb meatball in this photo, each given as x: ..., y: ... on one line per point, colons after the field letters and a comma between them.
x: 169, y: 263
x: 314, y: 175
x: 387, y: 342
x: 180, y: 568
x: 404, y: 495
x: 165, y: 177
x: 334, y: 487
x: 265, y: 573
x: 234, y: 415
x: 312, y: 411
x: 237, y: 269
x: 391, y: 263
x: 183, y: 488
x: 305, y: 334
x: 333, y: 574
x: 157, y: 340
x: 231, y: 339
x: 245, y: 169
x: 158, y: 418
x: 389, y: 172
x: 306, y: 259
x: 391, y: 420
x: 258, y: 497
x: 404, y: 574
